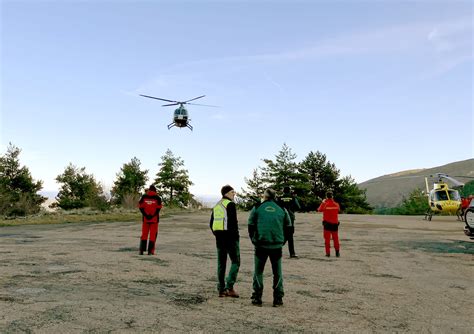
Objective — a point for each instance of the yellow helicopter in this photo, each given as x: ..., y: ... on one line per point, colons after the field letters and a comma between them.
x: 442, y: 199
x: 181, y: 116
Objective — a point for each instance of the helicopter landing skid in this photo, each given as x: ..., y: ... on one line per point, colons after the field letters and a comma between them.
x: 174, y: 124
x: 428, y: 215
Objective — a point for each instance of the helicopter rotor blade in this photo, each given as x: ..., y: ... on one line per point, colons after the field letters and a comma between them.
x: 194, y: 99
x: 171, y: 104
x: 157, y: 98
x: 204, y: 105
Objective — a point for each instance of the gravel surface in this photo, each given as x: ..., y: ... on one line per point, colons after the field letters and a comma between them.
x: 395, y: 274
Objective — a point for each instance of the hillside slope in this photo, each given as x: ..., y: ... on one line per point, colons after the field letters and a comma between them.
x: 389, y: 190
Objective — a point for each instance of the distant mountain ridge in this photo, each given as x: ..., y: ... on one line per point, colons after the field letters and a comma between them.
x: 389, y: 190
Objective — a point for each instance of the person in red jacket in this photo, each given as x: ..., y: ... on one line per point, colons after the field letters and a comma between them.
x: 330, y: 210
x: 465, y: 202
x: 150, y: 206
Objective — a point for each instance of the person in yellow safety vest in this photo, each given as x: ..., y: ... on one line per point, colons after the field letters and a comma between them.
x: 224, y: 226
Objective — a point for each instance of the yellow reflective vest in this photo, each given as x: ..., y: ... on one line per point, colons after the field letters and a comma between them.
x: 219, y: 222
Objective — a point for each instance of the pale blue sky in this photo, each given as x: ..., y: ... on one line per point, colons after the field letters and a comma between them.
x: 378, y: 86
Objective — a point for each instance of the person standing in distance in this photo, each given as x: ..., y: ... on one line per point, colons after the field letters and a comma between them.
x: 268, y: 227
x: 150, y: 206
x: 224, y: 226
x: 330, y: 209
x: 291, y: 204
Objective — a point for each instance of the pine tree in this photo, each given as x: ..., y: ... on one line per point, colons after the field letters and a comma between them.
x: 321, y: 176
x: 350, y: 197
x: 18, y: 190
x: 172, y: 181
x: 283, y: 171
x: 130, y: 182
x: 79, y: 190
x: 256, y: 185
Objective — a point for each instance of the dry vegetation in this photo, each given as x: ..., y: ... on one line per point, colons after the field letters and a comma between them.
x: 389, y: 190
x: 396, y: 274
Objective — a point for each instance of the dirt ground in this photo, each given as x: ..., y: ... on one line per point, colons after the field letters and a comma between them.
x: 395, y: 274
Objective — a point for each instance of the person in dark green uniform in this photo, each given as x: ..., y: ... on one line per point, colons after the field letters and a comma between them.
x: 291, y: 204
x: 268, y: 227
x: 224, y: 226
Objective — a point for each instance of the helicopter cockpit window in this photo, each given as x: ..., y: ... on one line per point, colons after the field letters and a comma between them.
x: 454, y: 195
x: 441, y: 196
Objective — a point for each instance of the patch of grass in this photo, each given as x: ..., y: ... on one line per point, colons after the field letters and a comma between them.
x: 85, y: 216
x: 69, y: 218
x: 185, y: 299
x: 336, y: 290
x: 127, y: 249
x: 306, y: 293
x: 157, y: 281
x: 385, y: 276
x: 455, y: 286
x: 454, y: 247
x: 7, y: 299
x: 207, y: 256
x: 158, y: 261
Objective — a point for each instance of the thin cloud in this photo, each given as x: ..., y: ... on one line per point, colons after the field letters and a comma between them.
x: 450, y: 39
x: 273, y: 82
x: 409, y: 37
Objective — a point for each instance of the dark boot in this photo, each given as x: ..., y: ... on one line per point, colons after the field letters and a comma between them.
x: 151, y: 248
x: 256, y: 299
x: 231, y: 293
x: 277, y: 302
x: 337, y: 254
x: 142, y: 246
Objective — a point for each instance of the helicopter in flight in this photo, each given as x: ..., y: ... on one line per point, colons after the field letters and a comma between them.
x: 181, y: 116
x: 442, y: 199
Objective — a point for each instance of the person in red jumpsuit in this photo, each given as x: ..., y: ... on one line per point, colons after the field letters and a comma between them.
x: 330, y: 210
x: 150, y: 206
x: 465, y: 202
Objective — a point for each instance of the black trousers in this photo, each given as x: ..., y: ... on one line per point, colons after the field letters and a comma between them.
x: 291, y: 243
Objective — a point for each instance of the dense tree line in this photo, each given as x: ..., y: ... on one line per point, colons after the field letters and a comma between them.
x: 416, y: 203
x: 79, y: 189
x: 309, y: 179
x: 468, y: 189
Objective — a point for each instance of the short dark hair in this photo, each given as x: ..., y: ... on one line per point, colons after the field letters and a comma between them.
x: 269, y: 193
x: 152, y: 188
x: 225, y: 189
x: 329, y: 194
x: 286, y: 189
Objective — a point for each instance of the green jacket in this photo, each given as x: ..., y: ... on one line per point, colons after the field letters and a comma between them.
x: 269, y: 225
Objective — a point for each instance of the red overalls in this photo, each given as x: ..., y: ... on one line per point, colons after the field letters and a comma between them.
x: 150, y: 205
x: 330, y: 210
